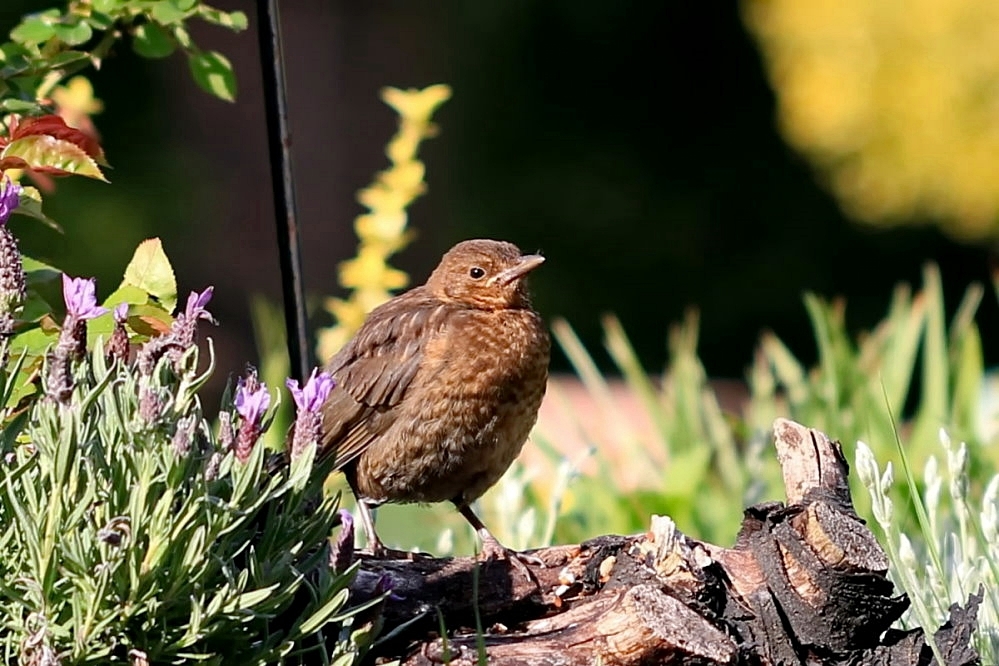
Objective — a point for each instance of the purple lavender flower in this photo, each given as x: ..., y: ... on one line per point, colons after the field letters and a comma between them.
x: 182, y: 335
x: 10, y: 198
x: 252, y: 400
x: 316, y: 390
x: 11, y: 268
x: 81, y: 299
x: 309, y: 400
x: 81, y: 305
x: 185, y: 326
x: 252, y: 403
x: 196, y: 305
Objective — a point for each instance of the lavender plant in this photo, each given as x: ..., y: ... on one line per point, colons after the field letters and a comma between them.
x: 134, y: 531
x: 957, y: 551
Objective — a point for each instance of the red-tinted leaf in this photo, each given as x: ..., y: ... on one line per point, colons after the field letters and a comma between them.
x: 45, y: 153
x: 149, y: 320
x: 54, y: 126
x: 12, y: 163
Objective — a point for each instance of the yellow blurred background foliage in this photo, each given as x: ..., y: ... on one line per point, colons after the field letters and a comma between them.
x: 896, y: 104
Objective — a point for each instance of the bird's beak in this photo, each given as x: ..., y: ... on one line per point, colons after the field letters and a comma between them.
x: 527, y: 263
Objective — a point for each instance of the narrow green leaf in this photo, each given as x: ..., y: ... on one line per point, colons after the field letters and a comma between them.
x: 323, y: 615
x: 934, y: 407
x: 617, y: 344
x: 20, y: 106
x: 898, y: 352
x: 213, y: 72
x: 818, y: 312
x: 67, y: 58
x: 250, y: 599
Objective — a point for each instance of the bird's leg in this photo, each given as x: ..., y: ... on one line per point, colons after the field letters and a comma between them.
x: 375, y: 544
x: 377, y: 549
x: 492, y: 549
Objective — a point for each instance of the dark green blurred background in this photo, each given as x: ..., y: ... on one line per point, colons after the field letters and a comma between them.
x: 634, y: 143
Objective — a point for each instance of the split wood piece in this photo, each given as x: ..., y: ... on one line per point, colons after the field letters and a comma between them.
x: 804, y: 583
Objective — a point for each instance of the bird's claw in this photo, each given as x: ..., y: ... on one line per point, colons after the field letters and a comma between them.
x: 493, y: 550
x: 380, y: 552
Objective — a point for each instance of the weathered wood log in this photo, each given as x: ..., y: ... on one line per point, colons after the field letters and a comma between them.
x: 805, y: 583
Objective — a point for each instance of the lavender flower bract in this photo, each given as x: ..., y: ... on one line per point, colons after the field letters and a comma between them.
x: 10, y: 198
x: 81, y: 305
x: 342, y: 550
x: 11, y: 268
x: 118, y: 344
x: 309, y: 401
x: 185, y: 327
x: 252, y: 400
x: 182, y: 335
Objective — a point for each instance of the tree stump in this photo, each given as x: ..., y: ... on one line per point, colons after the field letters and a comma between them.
x: 805, y: 583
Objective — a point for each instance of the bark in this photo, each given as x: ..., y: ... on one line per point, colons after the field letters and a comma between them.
x: 805, y: 583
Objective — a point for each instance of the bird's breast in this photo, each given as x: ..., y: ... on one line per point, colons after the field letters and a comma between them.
x: 480, y: 385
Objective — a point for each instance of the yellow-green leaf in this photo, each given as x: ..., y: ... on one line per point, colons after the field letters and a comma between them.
x: 150, y: 270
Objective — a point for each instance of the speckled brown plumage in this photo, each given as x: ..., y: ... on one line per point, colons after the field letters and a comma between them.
x: 439, y: 389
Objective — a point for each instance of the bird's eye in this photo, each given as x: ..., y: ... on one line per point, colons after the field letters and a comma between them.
x: 476, y: 272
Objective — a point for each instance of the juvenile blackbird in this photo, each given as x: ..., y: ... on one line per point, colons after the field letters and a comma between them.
x: 438, y: 390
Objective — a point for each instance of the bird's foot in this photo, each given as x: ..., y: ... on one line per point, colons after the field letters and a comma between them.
x: 379, y: 551
x: 493, y: 550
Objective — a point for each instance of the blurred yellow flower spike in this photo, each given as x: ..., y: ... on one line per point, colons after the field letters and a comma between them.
x: 383, y: 231
x: 405, y: 176
x: 77, y: 96
x: 383, y: 199
x: 895, y: 104
x: 416, y: 106
x: 368, y: 270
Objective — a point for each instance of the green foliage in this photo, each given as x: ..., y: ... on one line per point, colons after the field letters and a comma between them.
x: 50, y: 46
x: 148, y: 287
x: 712, y: 463
x: 126, y: 532
x: 132, y: 529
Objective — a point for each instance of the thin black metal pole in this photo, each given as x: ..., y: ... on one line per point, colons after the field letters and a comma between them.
x: 279, y: 141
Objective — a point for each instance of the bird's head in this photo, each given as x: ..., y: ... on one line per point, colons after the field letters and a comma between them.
x: 486, y: 274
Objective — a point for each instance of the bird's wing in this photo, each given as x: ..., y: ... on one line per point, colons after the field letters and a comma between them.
x: 374, y: 371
